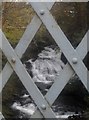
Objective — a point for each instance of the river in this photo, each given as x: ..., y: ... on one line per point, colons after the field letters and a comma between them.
x: 69, y: 105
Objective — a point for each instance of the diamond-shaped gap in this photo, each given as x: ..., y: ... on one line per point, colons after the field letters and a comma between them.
x: 73, y: 101
x: 16, y: 101
x: 72, y: 19
x: 42, y: 59
x: 15, y: 18
x: 86, y: 61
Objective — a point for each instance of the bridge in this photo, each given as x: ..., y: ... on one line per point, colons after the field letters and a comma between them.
x: 74, y: 57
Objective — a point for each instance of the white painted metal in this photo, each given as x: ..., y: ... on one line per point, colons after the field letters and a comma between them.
x: 20, y: 49
x: 37, y: 114
x: 1, y: 116
x: 54, y: 91
x: 82, y: 47
x: 22, y: 45
x: 44, y: 102
x: 65, y: 75
x: 26, y: 79
x: 62, y: 41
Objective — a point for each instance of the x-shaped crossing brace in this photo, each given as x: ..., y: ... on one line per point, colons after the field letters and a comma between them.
x: 74, y: 57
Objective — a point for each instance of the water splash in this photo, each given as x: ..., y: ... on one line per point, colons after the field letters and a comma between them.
x: 43, y: 71
x: 47, y: 66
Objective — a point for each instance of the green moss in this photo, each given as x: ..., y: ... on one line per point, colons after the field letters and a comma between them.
x: 14, y: 35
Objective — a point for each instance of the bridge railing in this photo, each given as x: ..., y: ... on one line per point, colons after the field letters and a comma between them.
x: 74, y: 56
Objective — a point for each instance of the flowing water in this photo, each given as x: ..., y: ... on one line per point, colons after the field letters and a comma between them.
x: 44, y: 71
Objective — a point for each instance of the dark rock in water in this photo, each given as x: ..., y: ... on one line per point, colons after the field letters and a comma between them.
x: 63, y: 58
x: 43, y: 85
x: 43, y: 72
x: 28, y: 66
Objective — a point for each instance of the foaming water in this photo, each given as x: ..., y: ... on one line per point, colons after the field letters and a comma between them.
x: 47, y: 66
x: 43, y: 71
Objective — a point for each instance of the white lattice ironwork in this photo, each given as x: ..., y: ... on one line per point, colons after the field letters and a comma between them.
x: 74, y: 57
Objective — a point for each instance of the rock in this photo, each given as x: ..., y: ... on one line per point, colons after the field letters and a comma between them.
x: 44, y: 85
